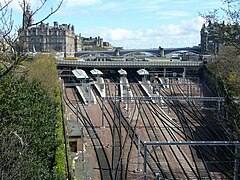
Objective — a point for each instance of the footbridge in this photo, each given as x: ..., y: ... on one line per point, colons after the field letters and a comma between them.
x: 130, y: 64
x: 158, y: 52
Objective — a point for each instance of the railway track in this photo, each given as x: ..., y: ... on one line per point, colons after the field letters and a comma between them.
x: 119, y: 145
x: 162, y: 132
x: 186, y: 116
x: 82, y: 117
x: 152, y: 136
x: 208, y: 133
x: 116, y: 140
x: 123, y: 125
x: 131, y: 132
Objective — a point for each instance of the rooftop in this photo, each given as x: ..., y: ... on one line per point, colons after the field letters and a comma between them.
x: 73, y: 128
x: 96, y: 72
x: 122, y: 72
x: 143, y: 72
x: 80, y: 74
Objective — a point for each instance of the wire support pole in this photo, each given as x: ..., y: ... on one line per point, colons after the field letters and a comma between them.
x: 236, y: 163
x: 139, y: 152
x: 102, y: 112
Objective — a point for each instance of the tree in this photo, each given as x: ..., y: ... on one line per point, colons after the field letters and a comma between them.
x: 10, y: 40
x: 28, y: 121
x: 45, y: 71
x: 224, y: 23
x: 225, y: 28
x: 28, y: 115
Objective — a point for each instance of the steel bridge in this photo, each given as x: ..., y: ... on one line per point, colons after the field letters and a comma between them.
x: 155, y: 52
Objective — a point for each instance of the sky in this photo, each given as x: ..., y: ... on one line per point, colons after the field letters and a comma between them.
x: 130, y: 24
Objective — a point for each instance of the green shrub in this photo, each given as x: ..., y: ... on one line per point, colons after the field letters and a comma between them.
x: 60, y: 157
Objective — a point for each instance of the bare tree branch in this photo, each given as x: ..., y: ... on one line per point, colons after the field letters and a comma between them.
x: 10, y: 40
x: 227, y: 27
x: 24, y: 5
x: 5, y: 19
x: 5, y: 4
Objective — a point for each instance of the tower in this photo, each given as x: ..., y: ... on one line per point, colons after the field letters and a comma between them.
x: 204, y: 39
x: 27, y: 16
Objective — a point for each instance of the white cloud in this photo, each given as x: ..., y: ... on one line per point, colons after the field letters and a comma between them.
x: 71, y: 3
x: 120, y: 34
x: 186, y: 33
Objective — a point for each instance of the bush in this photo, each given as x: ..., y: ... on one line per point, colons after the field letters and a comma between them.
x: 43, y: 69
x: 28, y: 130
x: 60, y: 158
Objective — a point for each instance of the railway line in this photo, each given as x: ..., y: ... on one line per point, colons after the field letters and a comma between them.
x: 186, y: 117
x: 83, y: 118
x: 119, y: 149
x: 151, y: 135
x: 175, y: 155
x: 123, y: 121
x: 131, y: 132
x: 201, y: 170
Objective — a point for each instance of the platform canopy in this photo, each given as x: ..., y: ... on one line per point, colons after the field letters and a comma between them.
x: 96, y: 72
x: 73, y: 128
x: 143, y: 72
x: 80, y: 74
x: 122, y: 72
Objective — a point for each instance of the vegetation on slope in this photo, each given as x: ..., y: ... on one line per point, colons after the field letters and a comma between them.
x: 44, y: 69
x: 226, y: 67
x: 32, y: 141
x: 226, y: 72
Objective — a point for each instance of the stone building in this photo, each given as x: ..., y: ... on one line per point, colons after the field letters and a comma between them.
x: 96, y: 43
x: 4, y: 46
x: 204, y: 39
x: 59, y: 38
x: 45, y: 38
x: 56, y: 38
x: 210, y: 42
x: 209, y: 45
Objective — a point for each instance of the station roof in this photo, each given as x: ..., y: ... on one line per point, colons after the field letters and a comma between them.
x: 96, y: 72
x: 143, y: 72
x: 80, y: 74
x: 122, y: 72
x: 73, y: 128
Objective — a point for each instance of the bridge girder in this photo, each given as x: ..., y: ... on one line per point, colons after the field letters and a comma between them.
x: 196, y: 50
x: 127, y: 54
x: 96, y: 54
x: 193, y: 51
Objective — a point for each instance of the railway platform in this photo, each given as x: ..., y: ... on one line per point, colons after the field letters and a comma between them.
x: 99, y: 83
x: 147, y: 86
x: 125, y: 89
x: 84, y: 88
